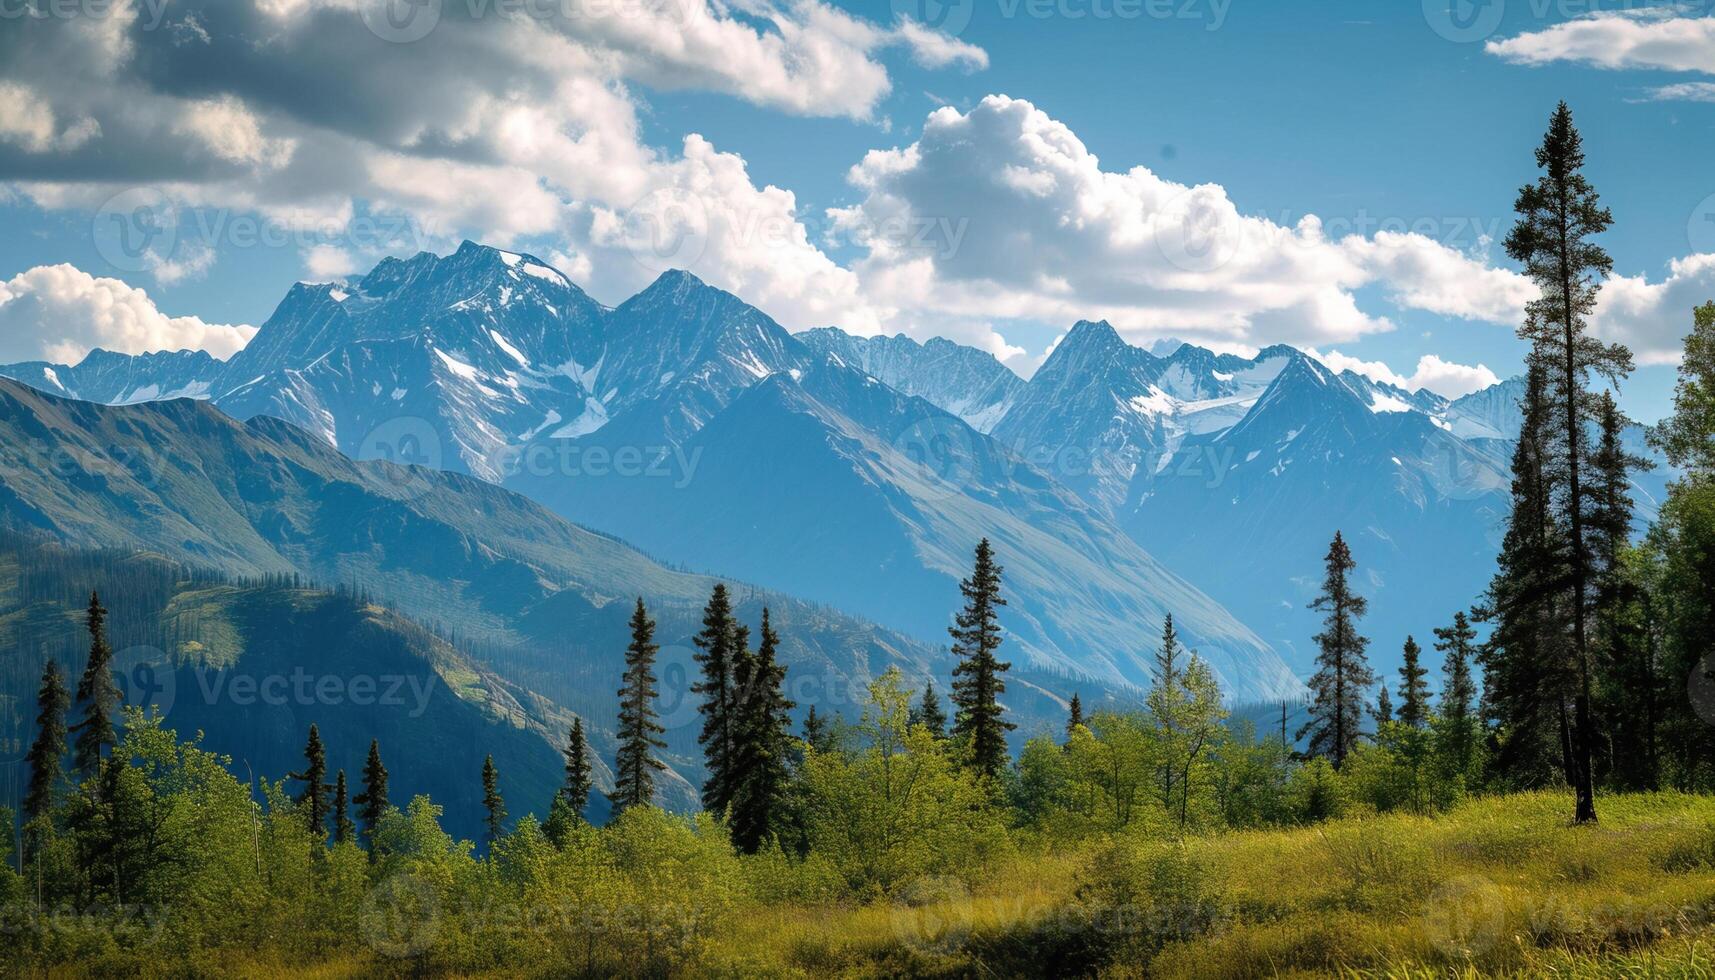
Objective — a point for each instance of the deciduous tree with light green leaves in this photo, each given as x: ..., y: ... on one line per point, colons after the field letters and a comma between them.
x: 1185, y: 708
x: 899, y: 807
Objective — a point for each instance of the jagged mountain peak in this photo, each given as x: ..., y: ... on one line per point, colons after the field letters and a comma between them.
x: 1093, y: 335
x: 1093, y: 349
x: 1304, y: 390
x: 390, y: 274
x: 1274, y: 351
x: 100, y: 358
x: 965, y: 381
x: 692, y: 302
x: 1495, y: 412
x: 677, y: 280
x: 678, y: 305
x: 113, y: 378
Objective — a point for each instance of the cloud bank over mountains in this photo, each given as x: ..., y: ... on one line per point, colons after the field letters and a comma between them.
x: 59, y: 313
x: 524, y: 124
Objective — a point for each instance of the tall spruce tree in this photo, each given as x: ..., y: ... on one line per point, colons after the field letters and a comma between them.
x: 1166, y: 702
x: 314, y: 800
x: 372, y: 802
x: 98, y: 694
x: 343, y: 829
x: 580, y: 774
x: 929, y: 712
x: 1631, y: 688
x: 1458, y: 647
x: 1682, y: 543
x: 1559, y: 216
x: 46, y: 758
x: 978, y: 720
x: 1527, y: 680
x: 1343, y: 670
x: 762, y: 745
x: 1074, y: 714
x: 1611, y: 499
x: 493, y: 805
x: 816, y: 734
x: 1413, y: 689
x: 718, y: 652
x: 639, y: 732
x: 1626, y: 635
x: 1383, y: 713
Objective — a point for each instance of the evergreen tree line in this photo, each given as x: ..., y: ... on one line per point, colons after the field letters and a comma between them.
x: 1596, y: 670
x: 749, y: 752
x: 93, y: 832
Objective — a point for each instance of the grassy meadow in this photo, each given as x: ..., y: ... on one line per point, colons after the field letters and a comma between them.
x: 1498, y: 886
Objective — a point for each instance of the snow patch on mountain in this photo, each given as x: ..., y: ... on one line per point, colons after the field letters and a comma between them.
x: 963, y: 381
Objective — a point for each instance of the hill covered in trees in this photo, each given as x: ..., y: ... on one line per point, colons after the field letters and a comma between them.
x: 251, y: 662
x: 536, y: 600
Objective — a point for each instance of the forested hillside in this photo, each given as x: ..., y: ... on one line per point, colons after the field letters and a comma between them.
x: 252, y: 663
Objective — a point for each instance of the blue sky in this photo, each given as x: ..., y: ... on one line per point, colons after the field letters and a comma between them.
x: 1362, y: 113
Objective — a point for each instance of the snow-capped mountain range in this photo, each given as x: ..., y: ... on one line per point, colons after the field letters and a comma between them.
x: 1234, y: 472
x: 1118, y: 484
x: 958, y: 379
x: 123, y: 379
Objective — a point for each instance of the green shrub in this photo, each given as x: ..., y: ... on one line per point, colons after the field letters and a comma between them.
x: 1315, y: 793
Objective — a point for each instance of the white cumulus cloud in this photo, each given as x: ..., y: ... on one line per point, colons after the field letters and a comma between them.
x: 1653, y: 318
x: 1445, y: 378
x: 1002, y: 212
x: 515, y: 124
x: 1650, y: 37
x: 60, y: 313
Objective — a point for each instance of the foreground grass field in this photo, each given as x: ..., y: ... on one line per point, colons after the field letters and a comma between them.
x: 1501, y: 886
